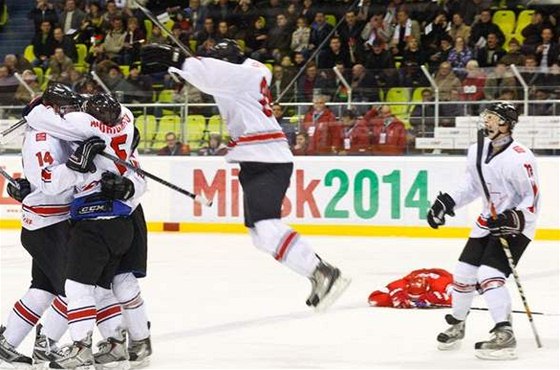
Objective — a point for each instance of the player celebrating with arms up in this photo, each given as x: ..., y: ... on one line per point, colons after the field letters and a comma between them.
x: 240, y: 87
x: 510, y: 173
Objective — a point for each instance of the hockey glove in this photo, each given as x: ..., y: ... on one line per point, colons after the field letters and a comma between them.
x: 22, y: 192
x: 116, y: 187
x: 442, y: 206
x: 82, y: 158
x: 508, y: 223
x: 32, y: 104
x: 400, y: 299
x: 158, y: 58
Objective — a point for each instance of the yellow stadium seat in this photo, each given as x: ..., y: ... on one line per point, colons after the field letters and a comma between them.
x: 241, y: 44
x: 39, y: 73
x: 331, y: 19
x: 269, y: 66
x: 523, y: 20
x: 192, y: 45
x: 166, y: 96
x: 29, y: 54
x: 4, y: 16
x: 148, y: 25
x: 125, y: 70
x: 505, y: 19
x: 171, y: 123
x: 169, y: 24
x: 398, y: 95
x: 196, y: 131
x: 215, y: 124
x: 147, y: 125
x: 417, y: 94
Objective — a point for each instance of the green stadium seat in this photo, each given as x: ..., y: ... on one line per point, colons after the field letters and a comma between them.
x: 4, y: 16
x: 505, y: 19
x: 29, y: 54
x: 523, y: 20
x: 331, y: 19
x: 196, y: 131
x: 215, y: 124
x: 147, y: 125
x: 148, y: 25
x: 171, y: 123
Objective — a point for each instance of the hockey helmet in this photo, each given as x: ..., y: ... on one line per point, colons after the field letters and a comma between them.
x: 507, y: 112
x: 103, y: 107
x: 227, y: 50
x: 61, y: 97
x: 417, y: 286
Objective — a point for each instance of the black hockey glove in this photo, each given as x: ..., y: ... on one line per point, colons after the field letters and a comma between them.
x: 82, y: 158
x: 116, y: 187
x: 22, y: 192
x: 508, y: 223
x: 442, y: 206
x: 159, y: 57
x: 32, y: 104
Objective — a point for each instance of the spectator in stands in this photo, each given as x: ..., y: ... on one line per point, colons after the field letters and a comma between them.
x: 404, y: 29
x: 256, y: 43
x: 412, y: 53
x: 300, y: 37
x: 270, y: 9
x: 8, y: 86
x: 459, y: 28
x: 134, y: 39
x: 410, y: 75
x: 309, y: 10
x: 311, y: 82
x: 532, y: 32
x: 208, y: 32
x: 473, y: 86
x: 215, y: 146
x: 244, y: 14
x: 354, y: 136
x: 93, y: 26
x: 204, y: 50
x: 114, y: 78
x: 547, y: 51
x: 320, y: 125
x: 448, y: 111
x: 301, y: 145
x: 280, y: 81
x: 442, y: 54
x: 90, y: 87
x: 349, y: 32
x: 114, y: 42
x: 320, y: 30
x: 292, y: 14
x: 388, y: 134
x: 77, y: 80
x: 288, y: 127
x: 498, y: 80
x: 422, y: 117
x: 60, y: 66
x: 446, y: 80
x: 482, y: 28
x: 460, y: 55
x: 140, y: 87
x: 157, y: 37
x: 435, y: 31
x: 23, y: 96
x: 541, y: 108
x: 374, y: 30
x: 490, y: 54
x: 364, y: 85
x: 43, y: 46
x: 197, y: 13
x: 336, y: 53
x: 469, y: 9
x: 279, y: 38
x: 181, y: 35
x: 174, y: 146
x: 43, y: 12
x: 111, y: 12
x: 16, y: 63
x: 223, y: 31
x: 71, y: 18
x: 340, y: 91
x: 514, y: 55
x: 65, y: 43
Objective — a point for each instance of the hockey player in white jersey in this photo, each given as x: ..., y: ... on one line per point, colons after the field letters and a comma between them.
x: 510, y: 172
x: 240, y: 87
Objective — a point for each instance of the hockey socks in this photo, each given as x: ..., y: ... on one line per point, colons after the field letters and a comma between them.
x: 55, y: 320
x: 81, y: 309
x: 127, y: 291
x: 108, y: 318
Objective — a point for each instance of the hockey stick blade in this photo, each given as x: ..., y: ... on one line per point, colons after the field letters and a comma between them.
x: 196, y: 197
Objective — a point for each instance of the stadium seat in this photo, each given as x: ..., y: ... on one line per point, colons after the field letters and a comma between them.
x: 523, y: 20
x: 269, y: 66
x: 241, y: 44
x: 169, y: 24
x: 215, y: 124
x: 125, y: 70
x: 147, y: 125
x: 399, y: 95
x: 196, y: 131
x: 171, y: 123
x: 29, y: 54
x: 148, y: 25
x: 166, y: 96
x: 192, y: 45
x: 4, y: 16
x: 505, y: 19
x: 331, y: 19
x: 39, y: 73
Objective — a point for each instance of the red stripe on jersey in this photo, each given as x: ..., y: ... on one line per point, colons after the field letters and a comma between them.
x: 60, y: 306
x: 282, y: 251
x: 48, y: 210
x: 80, y: 314
x: 256, y: 138
x: 28, y: 315
x: 108, y: 312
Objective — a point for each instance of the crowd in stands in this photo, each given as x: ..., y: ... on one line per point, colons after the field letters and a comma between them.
x: 375, y: 47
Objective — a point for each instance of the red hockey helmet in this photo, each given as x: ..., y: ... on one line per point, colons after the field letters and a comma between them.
x: 417, y: 286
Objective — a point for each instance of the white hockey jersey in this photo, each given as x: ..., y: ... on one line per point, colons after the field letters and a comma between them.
x: 512, y: 180
x: 44, y: 159
x: 78, y: 126
x: 242, y: 94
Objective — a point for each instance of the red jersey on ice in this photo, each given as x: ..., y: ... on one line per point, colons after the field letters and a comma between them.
x: 421, y: 288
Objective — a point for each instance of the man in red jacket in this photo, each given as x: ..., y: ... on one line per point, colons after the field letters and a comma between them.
x: 423, y: 288
x: 388, y: 133
x: 354, y: 137
x: 320, y: 125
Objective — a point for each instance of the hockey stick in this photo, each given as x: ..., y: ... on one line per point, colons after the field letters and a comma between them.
x: 503, y: 241
x: 10, y: 179
x: 11, y: 129
x: 512, y: 311
x: 197, y: 197
x: 154, y: 19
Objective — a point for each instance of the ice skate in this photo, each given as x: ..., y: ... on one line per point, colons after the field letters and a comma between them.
x: 501, y: 345
x: 451, y: 338
x: 45, y: 350
x: 327, y: 284
x: 9, y: 357
x: 112, y: 353
x: 79, y: 356
x: 139, y: 352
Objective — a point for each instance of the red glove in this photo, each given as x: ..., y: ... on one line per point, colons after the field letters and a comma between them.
x: 400, y: 299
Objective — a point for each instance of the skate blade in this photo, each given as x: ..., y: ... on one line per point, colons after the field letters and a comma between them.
x: 504, y: 354
x: 81, y: 367
x: 116, y: 365
x: 140, y: 364
x: 336, y: 291
x: 449, y: 346
x: 14, y: 365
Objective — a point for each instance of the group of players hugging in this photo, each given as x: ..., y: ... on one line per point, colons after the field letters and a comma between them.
x: 83, y: 225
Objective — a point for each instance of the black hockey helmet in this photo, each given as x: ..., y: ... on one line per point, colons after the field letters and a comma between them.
x: 228, y: 50
x: 506, y: 111
x: 103, y: 107
x: 58, y: 94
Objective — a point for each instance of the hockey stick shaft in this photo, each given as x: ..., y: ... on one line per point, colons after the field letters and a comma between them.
x: 512, y: 311
x: 503, y: 241
x: 156, y: 21
x: 7, y: 176
x: 196, y: 197
x: 11, y: 129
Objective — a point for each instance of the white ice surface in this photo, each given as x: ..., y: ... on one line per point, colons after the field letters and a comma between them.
x: 216, y: 302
